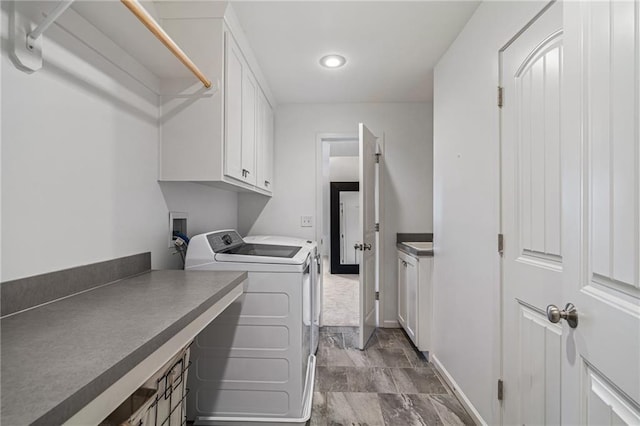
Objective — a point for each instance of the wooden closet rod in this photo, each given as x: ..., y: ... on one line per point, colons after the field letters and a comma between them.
x: 153, y: 26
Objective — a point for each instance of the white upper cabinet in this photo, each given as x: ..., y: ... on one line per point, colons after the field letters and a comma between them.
x: 249, y: 105
x: 235, y: 67
x: 264, y: 144
x: 269, y: 149
x: 222, y: 136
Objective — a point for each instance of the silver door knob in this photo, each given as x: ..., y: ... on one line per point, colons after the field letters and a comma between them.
x: 570, y: 314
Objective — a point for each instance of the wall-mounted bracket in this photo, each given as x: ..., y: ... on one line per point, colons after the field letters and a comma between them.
x: 27, y: 40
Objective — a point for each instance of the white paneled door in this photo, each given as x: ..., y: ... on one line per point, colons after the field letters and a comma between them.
x: 601, y: 212
x: 531, y: 221
x: 367, y: 196
x: 571, y: 216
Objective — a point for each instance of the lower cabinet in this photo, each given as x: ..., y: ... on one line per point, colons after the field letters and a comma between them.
x: 415, y: 298
x: 402, y: 291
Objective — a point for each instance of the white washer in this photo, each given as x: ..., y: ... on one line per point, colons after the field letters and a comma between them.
x: 253, y: 364
x: 316, y: 276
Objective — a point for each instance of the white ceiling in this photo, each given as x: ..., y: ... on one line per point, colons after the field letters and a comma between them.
x: 391, y: 47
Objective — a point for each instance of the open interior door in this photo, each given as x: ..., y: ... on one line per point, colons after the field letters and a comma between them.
x: 367, y: 142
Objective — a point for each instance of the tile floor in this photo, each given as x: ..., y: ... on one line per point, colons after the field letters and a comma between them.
x: 389, y: 383
x: 340, y: 303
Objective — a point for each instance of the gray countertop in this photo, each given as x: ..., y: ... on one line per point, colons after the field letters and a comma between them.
x: 403, y: 239
x: 58, y: 357
x: 413, y: 251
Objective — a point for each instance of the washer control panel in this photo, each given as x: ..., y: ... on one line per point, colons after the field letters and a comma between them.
x: 224, y: 240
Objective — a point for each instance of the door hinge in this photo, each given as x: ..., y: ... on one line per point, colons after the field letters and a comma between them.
x: 500, y: 96
x: 378, y: 157
x: 377, y: 295
x: 377, y: 227
x: 501, y: 244
x: 500, y: 390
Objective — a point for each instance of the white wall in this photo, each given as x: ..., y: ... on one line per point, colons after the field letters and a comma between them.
x: 343, y: 169
x: 79, y: 166
x: 407, y: 173
x: 466, y: 202
x: 209, y: 208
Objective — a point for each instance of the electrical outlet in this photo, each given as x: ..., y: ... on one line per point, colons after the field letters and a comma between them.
x: 306, y: 221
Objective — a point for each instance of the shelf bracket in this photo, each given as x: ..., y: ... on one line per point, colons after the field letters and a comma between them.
x: 28, y: 42
x: 34, y: 35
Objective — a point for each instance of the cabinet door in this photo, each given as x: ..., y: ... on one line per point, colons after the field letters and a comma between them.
x: 260, y: 139
x: 268, y: 148
x: 264, y: 144
x: 411, y: 277
x: 234, y: 69
x: 249, y: 108
x: 402, y: 292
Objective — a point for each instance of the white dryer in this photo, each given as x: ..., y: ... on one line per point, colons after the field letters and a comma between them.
x: 253, y: 364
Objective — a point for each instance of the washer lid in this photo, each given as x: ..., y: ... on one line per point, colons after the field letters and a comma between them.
x: 301, y: 258
x: 266, y: 250
x: 228, y: 246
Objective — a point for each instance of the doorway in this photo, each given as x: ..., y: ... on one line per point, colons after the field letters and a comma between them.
x: 339, y: 177
x: 361, y: 153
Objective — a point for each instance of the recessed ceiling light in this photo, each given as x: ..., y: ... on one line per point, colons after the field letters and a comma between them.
x: 332, y: 61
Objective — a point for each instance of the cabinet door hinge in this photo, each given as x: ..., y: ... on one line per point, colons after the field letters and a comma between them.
x: 377, y: 295
x: 500, y: 390
x: 500, y: 96
x: 377, y: 228
x: 501, y: 244
x: 378, y: 157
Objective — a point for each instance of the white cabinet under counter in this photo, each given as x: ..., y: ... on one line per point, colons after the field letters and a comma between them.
x: 415, y: 296
x: 222, y: 136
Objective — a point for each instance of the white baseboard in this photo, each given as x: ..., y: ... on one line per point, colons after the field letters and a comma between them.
x: 390, y: 324
x: 475, y: 415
